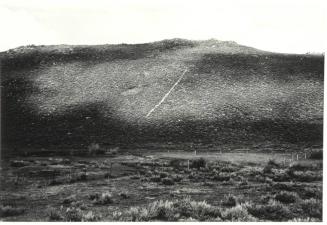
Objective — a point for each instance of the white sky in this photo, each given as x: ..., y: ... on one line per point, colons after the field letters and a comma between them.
x: 294, y: 26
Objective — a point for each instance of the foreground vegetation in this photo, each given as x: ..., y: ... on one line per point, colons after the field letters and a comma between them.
x: 150, y: 187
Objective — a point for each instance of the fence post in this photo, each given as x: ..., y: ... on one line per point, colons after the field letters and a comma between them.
x: 305, y: 155
x: 297, y: 157
x: 188, y: 164
x: 195, y: 152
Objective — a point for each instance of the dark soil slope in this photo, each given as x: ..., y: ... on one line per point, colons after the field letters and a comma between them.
x: 69, y: 96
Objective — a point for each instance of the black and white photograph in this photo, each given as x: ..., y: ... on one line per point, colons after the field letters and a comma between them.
x: 162, y: 110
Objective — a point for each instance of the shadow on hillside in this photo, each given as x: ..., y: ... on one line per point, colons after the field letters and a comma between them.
x: 23, y: 128
x: 236, y: 131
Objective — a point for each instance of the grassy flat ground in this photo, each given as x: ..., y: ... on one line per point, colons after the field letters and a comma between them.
x: 65, y: 188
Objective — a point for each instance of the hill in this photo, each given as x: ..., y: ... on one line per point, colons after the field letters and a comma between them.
x: 69, y: 96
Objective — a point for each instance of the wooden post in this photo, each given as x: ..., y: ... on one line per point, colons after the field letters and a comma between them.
x: 188, y: 164
x: 195, y: 152
x: 297, y: 157
x: 305, y: 155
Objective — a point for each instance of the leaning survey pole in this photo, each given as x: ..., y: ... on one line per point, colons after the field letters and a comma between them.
x: 166, y: 95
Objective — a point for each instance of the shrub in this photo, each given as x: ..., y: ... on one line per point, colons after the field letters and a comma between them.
x: 270, y: 165
x: 280, y: 175
x: 55, y: 215
x: 265, y: 198
x: 198, y: 210
x: 90, y: 217
x: 94, y: 196
x: 148, y: 174
x: 290, y: 186
x: 274, y: 211
x: 304, y: 166
x: 117, y: 216
x: 155, y: 179
x: 103, y: 199
x: 309, y: 192
x: 287, y: 197
x: 192, y: 175
x: 73, y: 214
x: 237, y: 213
x: 174, y: 210
x: 229, y: 201
x: 201, y: 211
x: 8, y: 210
x: 267, y: 169
x: 124, y: 195
x: 268, y: 180
x: 168, y: 181
x: 113, y: 151
x: 243, y: 182
x: 248, y: 171
x: 135, y: 177
x: 94, y: 149
x: 158, y: 210
x: 163, y: 174
x: 18, y: 163
x: 175, y: 163
x: 306, y: 176
x: 312, y: 208
x: 221, y: 177
x: 317, y: 154
x: 79, y: 204
x: 308, y: 219
x: 69, y: 200
x: 177, y: 178
x: 273, y: 163
x: 231, y: 181
x: 82, y: 177
x: 188, y: 220
x: 258, y: 178
x: 198, y: 163
x: 228, y: 169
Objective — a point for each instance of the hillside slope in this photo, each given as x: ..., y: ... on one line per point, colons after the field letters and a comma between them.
x: 69, y: 96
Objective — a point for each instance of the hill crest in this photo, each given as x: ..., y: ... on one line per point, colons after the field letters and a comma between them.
x: 231, y: 93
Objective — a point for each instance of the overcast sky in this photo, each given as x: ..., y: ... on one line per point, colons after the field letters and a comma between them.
x: 293, y: 26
